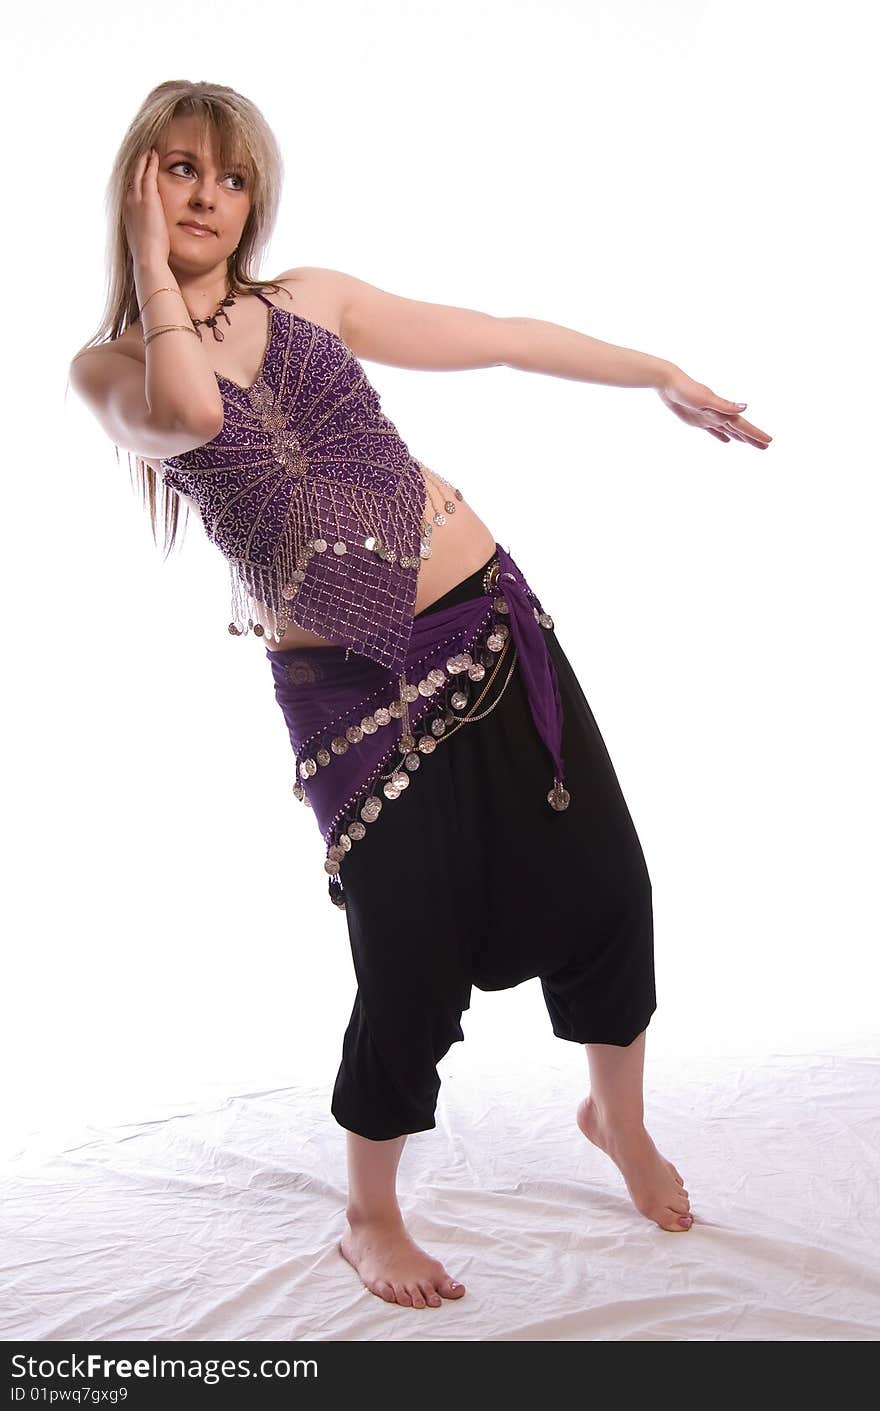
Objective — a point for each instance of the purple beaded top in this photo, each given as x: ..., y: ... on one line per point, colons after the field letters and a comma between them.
x: 311, y: 494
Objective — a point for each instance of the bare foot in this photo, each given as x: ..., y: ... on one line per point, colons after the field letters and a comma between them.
x: 655, y: 1185
x: 392, y: 1265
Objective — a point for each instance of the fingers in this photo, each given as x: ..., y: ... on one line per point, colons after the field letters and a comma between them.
x: 140, y: 171
x: 146, y: 172
x: 760, y: 440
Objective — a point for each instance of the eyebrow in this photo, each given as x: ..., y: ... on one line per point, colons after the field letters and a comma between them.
x: 180, y: 151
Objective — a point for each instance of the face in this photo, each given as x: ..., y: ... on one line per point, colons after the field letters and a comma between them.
x: 193, y: 188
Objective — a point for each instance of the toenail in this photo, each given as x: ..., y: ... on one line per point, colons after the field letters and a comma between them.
x: 686, y: 1220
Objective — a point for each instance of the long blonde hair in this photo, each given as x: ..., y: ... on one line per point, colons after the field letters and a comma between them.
x: 245, y: 141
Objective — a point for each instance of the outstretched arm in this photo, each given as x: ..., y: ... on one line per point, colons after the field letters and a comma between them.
x: 386, y: 328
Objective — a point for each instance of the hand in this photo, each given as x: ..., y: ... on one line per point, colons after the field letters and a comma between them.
x: 144, y: 213
x: 698, y: 405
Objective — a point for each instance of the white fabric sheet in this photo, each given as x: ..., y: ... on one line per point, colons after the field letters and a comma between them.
x: 218, y: 1218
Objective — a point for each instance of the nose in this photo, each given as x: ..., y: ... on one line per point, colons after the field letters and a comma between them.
x: 201, y: 193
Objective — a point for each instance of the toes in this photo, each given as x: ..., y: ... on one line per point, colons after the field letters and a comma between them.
x: 448, y: 1288
x: 402, y: 1296
x: 416, y: 1295
x: 431, y: 1295
x: 384, y: 1290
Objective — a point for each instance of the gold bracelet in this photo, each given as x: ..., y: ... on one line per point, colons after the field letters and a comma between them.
x: 157, y: 326
x: 164, y: 290
x: 169, y: 328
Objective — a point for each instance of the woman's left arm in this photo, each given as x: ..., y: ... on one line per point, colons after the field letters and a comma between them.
x: 409, y: 333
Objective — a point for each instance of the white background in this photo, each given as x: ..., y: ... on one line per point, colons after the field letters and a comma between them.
x: 689, y: 179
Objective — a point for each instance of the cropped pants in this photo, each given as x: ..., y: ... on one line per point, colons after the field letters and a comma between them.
x: 471, y: 878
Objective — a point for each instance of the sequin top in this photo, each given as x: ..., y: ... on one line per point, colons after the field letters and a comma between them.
x: 312, y: 495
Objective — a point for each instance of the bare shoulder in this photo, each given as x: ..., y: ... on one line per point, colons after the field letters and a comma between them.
x: 319, y: 294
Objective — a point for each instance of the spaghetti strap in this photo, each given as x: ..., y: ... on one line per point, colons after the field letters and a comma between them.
x: 263, y: 297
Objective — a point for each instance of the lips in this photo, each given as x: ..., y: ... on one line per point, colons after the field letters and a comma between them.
x: 194, y: 225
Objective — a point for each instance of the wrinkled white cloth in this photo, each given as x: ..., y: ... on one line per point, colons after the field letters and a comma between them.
x: 219, y: 1218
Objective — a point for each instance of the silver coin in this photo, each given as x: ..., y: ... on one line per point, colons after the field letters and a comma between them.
x: 355, y: 734
x: 458, y: 699
x: 356, y: 830
x: 320, y: 546
x: 339, y: 744
x: 437, y: 676
x: 382, y: 716
x: 427, y: 744
x: 323, y: 757
x: 368, y: 725
x: 340, y: 547
x: 477, y: 671
x: 331, y: 867
x: 412, y: 761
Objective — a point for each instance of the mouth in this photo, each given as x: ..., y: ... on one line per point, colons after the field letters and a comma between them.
x: 195, y: 229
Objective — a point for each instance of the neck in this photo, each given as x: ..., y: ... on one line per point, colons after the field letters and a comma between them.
x: 202, y: 292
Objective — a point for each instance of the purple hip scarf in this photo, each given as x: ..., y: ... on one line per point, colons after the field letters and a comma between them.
x: 360, y: 734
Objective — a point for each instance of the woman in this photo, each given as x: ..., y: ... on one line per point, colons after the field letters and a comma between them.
x: 478, y: 873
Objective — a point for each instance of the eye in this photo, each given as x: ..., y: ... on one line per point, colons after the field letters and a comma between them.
x: 236, y: 176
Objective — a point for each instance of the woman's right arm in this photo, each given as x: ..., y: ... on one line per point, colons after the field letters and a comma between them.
x: 171, y: 403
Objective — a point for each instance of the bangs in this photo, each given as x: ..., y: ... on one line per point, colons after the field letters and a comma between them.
x: 217, y: 125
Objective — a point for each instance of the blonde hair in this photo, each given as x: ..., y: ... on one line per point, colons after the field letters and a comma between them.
x: 246, y: 142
